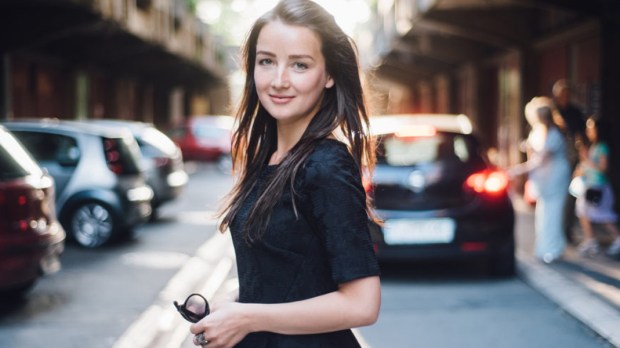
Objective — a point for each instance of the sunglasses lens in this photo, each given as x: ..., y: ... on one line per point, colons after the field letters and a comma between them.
x: 196, y: 306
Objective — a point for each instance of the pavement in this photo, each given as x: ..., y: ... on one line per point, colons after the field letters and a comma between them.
x: 586, y: 288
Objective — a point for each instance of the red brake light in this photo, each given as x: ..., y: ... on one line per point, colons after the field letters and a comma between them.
x: 113, y: 156
x: 489, y: 182
x: 367, y: 183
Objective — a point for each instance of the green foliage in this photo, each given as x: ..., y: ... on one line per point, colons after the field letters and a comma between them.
x: 191, y: 5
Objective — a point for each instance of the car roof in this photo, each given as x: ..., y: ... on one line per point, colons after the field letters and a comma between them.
x: 454, y: 123
x: 67, y: 126
x: 136, y: 127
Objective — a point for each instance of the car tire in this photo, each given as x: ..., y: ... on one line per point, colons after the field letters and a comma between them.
x: 503, y: 263
x: 92, y: 224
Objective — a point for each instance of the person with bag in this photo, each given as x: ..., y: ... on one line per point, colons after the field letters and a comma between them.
x: 298, y: 214
x: 548, y: 171
x: 596, y: 203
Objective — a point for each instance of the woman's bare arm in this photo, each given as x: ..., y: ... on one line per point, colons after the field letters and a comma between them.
x: 354, y: 304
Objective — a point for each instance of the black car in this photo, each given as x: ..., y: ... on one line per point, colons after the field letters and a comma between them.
x: 438, y: 194
x: 101, y: 194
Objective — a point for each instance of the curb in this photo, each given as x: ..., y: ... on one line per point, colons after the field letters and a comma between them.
x: 160, y: 325
x: 583, y: 305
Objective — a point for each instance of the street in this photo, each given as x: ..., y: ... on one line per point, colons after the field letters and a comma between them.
x: 121, y: 296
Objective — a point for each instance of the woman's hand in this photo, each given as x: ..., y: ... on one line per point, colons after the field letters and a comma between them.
x: 224, y: 327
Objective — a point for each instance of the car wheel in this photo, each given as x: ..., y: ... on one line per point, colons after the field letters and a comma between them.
x: 502, y: 264
x: 92, y: 224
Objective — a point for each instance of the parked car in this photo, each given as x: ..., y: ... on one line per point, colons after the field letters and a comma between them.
x: 101, y: 190
x: 205, y: 138
x: 162, y: 160
x: 31, y: 238
x: 438, y: 194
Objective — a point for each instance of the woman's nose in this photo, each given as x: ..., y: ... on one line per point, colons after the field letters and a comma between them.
x: 280, y: 80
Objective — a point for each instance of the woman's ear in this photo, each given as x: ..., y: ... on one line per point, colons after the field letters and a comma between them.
x: 330, y: 82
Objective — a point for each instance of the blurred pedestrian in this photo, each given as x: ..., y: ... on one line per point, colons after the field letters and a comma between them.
x: 571, y: 121
x: 595, y: 204
x: 298, y: 213
x: 549, y: 172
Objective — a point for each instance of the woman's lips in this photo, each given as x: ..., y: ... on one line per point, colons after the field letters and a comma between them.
x: 280, y: 99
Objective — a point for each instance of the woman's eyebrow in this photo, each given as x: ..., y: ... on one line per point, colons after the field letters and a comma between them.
x: 266, y: 53
x: 292, y: 56
x: 301, y: 56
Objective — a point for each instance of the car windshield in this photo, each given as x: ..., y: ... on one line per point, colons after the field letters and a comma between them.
x: 15, y: 162
x: 399, y: 151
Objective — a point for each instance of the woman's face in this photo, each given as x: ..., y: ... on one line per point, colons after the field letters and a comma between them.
x: 290, y: 72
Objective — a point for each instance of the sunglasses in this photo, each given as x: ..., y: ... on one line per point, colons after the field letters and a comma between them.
x: 194, y: 308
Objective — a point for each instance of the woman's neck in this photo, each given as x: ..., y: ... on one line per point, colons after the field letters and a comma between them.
x: 288, y: 136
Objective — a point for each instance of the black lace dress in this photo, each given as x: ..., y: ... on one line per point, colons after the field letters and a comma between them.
x: 297, y: 259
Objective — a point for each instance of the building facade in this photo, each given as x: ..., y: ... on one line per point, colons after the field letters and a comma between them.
x: 488, y: 58
x: 149, y: 60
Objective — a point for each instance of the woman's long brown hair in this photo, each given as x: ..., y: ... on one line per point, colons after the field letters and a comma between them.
x: 343, y: 109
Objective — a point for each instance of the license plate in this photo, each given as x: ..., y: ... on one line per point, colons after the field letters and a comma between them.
x: 419, y: 231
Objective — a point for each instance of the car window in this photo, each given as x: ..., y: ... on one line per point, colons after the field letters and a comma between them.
x: 15, y: 162
x: 408, y: 151
x: 51, y: 147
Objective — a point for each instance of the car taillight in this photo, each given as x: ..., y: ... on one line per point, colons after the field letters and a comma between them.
x: 489, y: 182
x: 367, y: 183
x: 21, y: 209
x: 113, y: 155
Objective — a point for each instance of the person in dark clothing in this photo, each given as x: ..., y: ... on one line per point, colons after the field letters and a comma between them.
x: 572, y: 122
x: 572, y: 119
x: 298, y: 214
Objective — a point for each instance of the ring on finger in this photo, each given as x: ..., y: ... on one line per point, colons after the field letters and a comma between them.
x: 200, y: 339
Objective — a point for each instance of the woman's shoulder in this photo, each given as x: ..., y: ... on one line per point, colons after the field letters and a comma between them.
x: 329, y: 149
x: 329, y: 157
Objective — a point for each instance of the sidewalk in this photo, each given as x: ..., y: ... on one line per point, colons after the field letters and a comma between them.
x: 586, y: 288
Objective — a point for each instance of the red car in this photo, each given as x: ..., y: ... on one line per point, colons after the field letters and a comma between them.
x: 204, y: 138
x: 31, y: 238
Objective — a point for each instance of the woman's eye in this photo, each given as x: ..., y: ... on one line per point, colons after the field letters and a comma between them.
x: 265, y: 61
x: 300, y: 66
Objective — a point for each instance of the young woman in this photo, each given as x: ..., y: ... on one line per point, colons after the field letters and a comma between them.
x: 298, y: 213
x: 593, y: 168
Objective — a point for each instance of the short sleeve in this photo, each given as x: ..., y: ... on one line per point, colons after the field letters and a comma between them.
x: 337, y: 202
x: 555, y: 143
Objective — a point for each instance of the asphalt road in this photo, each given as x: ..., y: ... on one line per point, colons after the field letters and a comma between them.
x: 120, y: 296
